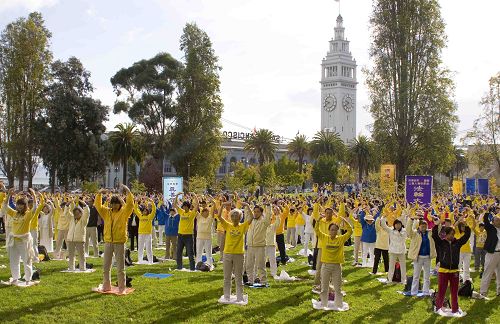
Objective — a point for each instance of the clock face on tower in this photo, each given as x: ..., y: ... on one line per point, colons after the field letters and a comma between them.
x: 330, y: 102
x: 348, y: 103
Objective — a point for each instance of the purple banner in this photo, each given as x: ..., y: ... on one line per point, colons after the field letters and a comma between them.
x: 419, y: 189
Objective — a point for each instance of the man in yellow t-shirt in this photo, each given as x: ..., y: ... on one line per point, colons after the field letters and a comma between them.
x: 187, y: 213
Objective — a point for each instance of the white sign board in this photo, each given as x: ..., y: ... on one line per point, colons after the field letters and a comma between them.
x: 172, y: 186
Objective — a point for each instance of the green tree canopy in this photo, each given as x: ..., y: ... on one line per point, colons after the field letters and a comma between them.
x: 125, y: 142
x: 299, y: 147
x: 263, y: 144
x: 328, y: 143
x: 410, y: 91
x: 196, y: 137
x: 146, y: 92
x: 325, y: 170
x: 70, y: 127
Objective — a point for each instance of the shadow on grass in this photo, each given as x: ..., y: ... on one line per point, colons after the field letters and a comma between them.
x: 38, y: 308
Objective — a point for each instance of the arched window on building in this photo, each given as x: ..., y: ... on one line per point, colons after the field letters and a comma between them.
x: 232, y: 162
x: 223, y: 167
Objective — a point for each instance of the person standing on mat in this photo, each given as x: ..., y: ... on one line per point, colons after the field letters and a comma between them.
x: 91, y: 234
x: 381, y: 247
x: 492, y: 247
x: 146, y: 230
x: 187, y: 214
x: 256, y: 243
x: 19, y: 242
x: 133, y: 231
x: 332, y: 258
x: 234, y: 250
x: 77, y: 232
x: 397, y: 247
x: 422, y: 250
x: 448, y: 264
x: 115, y: 234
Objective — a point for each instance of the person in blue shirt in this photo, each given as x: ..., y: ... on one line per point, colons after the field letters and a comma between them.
x: 368, y: 236
x: 171, y: 230
x: 161, y: 214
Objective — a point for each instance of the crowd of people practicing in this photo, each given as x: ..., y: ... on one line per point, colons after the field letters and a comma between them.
x: 249, y: 229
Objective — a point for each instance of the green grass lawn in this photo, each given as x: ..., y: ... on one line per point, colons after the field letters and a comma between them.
x: 192, y: 297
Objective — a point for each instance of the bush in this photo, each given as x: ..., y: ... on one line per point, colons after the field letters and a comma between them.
x: 90, y: 187
x: 325, y: 170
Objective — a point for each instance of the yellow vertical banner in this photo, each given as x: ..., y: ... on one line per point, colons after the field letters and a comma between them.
x: 457, y: 187
x: 387, y: 178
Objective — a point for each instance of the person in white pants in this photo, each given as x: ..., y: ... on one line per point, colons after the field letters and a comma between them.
x: 145, y: 231
x: 204, y: 223
x: 76, y: 234
x: 368, y: 237
x: 308, y: 230
x: 271, y: 242
x: 465, y: 250
x: 19, y: 240
x: 492, y: 259
x: 397, y: 247
x: 422, y: 251
x: 256, y: 243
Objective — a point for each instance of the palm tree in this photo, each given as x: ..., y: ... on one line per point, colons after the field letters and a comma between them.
x: 262, y: 143
x: 125, y: 143
x: 299, y: 147
x: 360, y: 150
x: 327, y: 143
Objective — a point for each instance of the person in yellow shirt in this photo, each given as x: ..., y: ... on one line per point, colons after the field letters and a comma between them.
x: 115, y: 234
x: 300, y: 224
x: 480, y: 252
x: 465, y: 250
x: 221, y: 234
x: 187, y: 214
x: 145, y: 238
x: 280, y: 236
x: 290, y: 227
x: 234, y: 251
x: 19, y: 241
x: 332, y: 258
x: 357, y: 231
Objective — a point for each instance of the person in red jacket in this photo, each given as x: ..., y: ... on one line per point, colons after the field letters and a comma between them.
x: 448, y: 268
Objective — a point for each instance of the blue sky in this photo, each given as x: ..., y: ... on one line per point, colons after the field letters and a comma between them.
x: 270, y: 51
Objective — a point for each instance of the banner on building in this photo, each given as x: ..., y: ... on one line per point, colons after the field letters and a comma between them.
x: 172, y: 186
x: 457, y: 187
x: 470, y: 186
x: 483, y: 186
x: 418, y: 189
x: 388, y: 178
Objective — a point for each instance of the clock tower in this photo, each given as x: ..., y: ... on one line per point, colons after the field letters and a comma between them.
x: 338, y: 87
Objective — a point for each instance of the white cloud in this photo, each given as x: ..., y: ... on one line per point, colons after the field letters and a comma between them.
x: 26, y: 4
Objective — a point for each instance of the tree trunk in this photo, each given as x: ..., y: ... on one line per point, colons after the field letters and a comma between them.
x: 30, y: 172
x: 21, y: 174
x: 124, y: 162
x: 52, y: 180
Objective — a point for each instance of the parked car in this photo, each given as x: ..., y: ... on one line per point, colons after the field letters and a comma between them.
x: 48, y: 189
x: 76, y: 191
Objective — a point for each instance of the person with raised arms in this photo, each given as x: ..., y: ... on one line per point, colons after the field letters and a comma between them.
x: 77, y: 232
x: 256, y: 243
x: 422, y: 250
x: 145, y: 238
x: 397, y: 247
x: 115, y: 234
x: 19, y: 241
x: 332, y: 258
x: 448, y: 265
x: 187, y: 214
x: 234, y: 251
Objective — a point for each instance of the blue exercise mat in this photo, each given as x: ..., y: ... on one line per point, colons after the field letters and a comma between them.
x: 157, y: 275
x: 256, y: 285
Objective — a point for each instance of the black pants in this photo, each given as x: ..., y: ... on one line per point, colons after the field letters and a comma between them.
x: 2, y: 226
x: 133, y: 232
x: 184, y: 240
x: 280, y: 241
x: 100, y: 233
x: 315, y: 257
x: 385, y: 255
